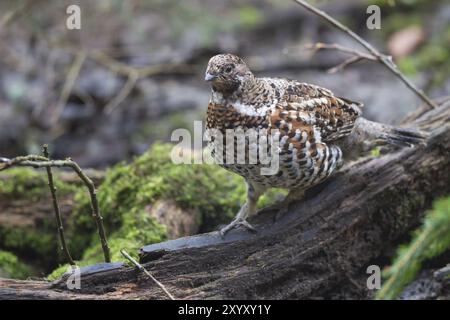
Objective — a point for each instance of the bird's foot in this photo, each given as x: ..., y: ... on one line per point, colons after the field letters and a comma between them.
x: 236, y: 223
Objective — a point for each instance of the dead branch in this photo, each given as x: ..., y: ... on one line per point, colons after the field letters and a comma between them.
x: 133, y: 74
x: 382, y: 58
x: 356, y: 54
x: 141, y: 72
x: 9, y: 16
x: 68, y: 85
x: 123, y: 93
x: 43, y: 162
x: 140, y: 267
x: 58, y: 219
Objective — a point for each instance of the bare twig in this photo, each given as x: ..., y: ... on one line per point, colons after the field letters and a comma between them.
x: 123, y: 93
x: 43, y: 162
x: 142, y: 72
x: 382, y: 58
x: 59, y: 224
x: 12, y: 14
x: 68, y: 84
x: 141, y: 267
x: 356, y: 54
x: 345, y: 64
x: 133, y: 74
x: 321, y: 46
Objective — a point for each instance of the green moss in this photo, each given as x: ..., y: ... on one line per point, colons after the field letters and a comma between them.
x: 35, y: 240
x: 11, y: 267
x: 212, y: 193
x: 375, y: 152
x: 26, y: 183
x: 26, y: 241
x: 431, y: 240
x: 433, y: 53
x: 128, y: 189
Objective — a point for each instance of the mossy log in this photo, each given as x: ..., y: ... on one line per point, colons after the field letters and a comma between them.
x: 323, y: 242
x: 25, y: 200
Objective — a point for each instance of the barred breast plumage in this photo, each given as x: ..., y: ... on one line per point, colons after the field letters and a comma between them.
x: 308, y: 119
x: 309, y: 124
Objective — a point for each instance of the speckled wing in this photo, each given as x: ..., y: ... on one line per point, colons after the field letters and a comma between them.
x: 332, y: 116
x: 309, y: 118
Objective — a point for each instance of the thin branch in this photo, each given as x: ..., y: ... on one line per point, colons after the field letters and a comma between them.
x: 43, y: 162
x: 72, y: 75
x: 59, y: 224
x: 384, y: 59
x: 123, y: 93
x: 141, y: 267
x: 356, y: 54
x: 133, y: 74
x: 142, y: 72
x: 12, y: 14
x: 325, y: 46
x: 345, y: 64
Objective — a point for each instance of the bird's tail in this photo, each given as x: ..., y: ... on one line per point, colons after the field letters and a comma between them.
x: 382, y: 134
x: 368, y: 134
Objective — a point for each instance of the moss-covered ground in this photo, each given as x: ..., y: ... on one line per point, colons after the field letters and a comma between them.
x: 213, y: 193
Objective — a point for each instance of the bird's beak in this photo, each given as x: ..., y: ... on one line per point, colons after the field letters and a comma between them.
x: 210, y: 77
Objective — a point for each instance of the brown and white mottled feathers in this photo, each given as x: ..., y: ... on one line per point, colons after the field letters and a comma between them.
x: 311, y: 120
x: 307, y: 127
x: 306, y: 116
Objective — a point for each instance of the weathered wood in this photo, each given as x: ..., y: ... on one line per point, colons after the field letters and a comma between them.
x: 324, y: 241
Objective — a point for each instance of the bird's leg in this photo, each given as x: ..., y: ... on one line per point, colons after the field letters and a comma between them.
x: 249, y: 208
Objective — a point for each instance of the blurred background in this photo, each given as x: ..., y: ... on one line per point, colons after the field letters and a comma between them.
x: 134, y: 72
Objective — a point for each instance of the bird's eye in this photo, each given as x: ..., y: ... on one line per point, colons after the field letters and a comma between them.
x: 228, y: 69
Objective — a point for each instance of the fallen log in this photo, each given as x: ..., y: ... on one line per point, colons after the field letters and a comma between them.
x: 326, y: 240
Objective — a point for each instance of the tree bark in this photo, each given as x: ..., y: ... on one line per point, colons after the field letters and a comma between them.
x: 326, y: 240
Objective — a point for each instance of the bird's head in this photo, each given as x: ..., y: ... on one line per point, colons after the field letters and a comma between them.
x: 227, y: 73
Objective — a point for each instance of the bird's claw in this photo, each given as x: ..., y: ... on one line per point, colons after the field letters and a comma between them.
x: 234, y: 224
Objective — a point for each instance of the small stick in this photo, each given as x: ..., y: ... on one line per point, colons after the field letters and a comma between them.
x: 382, y: 58
x: 141, y: 267
x: 334, y: 46
x: 356, y: 55
x: 43, y: 162
x: 345, y: 64
x: 124, y: 92
x: 72, y: 76
x: 52, y: 187
x: 12, y: 14
x: 142, y: 72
